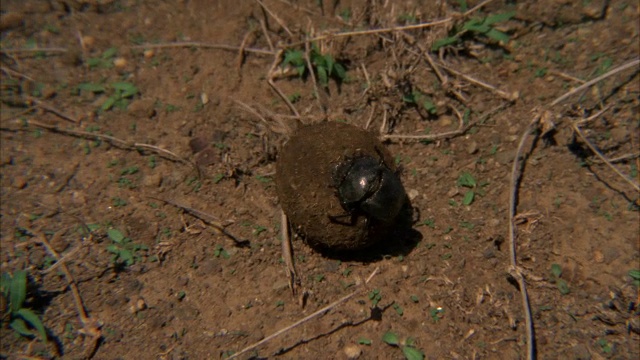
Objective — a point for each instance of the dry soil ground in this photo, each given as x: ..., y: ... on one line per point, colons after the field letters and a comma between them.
x: 86, y: 83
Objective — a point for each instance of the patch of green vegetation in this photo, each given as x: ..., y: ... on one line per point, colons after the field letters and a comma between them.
x: 22, y: 320
x: 436, y: 314
x: 407, y: 346
x: 635, y: 276
x: 604, y: 346
x: 556, y: 273
x: 125, y: 251
x: 364, y: 341
x: 484, y: 27
x: 122, y: 93
x: 324, y: 65
x: 375, y: 297
x: 105, y: 61
x: 417, y: 98
x: 221, y: 252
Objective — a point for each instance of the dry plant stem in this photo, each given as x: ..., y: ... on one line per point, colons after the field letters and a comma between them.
x: 319, y: 96
x: 514, y: 269
x: 390, y: 29
x: 502, y: 94
x: 302, y: 321
x: 31, y: 50
x: 270, y: 75
x: 275, y: 17
x: 110, y: 139
x: 578, y: 131
x: 51, y: 109
x: 589, y: 83
x: 90, y: 326
x: 443, y: 79
x: 287, y: 253
x: 207, y: 218
x: 202, y: 45
x: 263, y: 26
x: 10, y: 72
x: 284, y: 129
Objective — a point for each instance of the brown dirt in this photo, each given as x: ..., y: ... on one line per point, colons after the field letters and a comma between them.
x: 194, y: 294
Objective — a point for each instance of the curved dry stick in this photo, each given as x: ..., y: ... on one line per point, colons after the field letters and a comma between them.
x: 594, y: 81
x: 305, y: 319
x: 514, y: 270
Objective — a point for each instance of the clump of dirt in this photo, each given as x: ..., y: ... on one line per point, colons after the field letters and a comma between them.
x: 305, y: 180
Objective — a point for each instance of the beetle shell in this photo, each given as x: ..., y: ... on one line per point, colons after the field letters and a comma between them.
x: 305, y: 183
x: 366, y: 185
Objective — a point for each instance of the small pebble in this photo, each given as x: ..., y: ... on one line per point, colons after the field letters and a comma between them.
x: 19, y: 182
x: 412, y: 193
x: 472, y: 147
x: 352, y: 351
x: 153, y: 180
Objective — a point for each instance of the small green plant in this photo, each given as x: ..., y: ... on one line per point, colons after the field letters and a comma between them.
x: 467, y: 180
x: 556, y: 273
x: 124, y: 251
x: 121, y: 95
x: 417, y: 98
x: 436, y: 314
x: 22, y: 320
x: 407, y: 345
x: 399, y: 310
x: 476, y: 27
x: 635, y: 276
x: 105, y: 61
x: 604, y: 346
x: 324, y: 65
x: 220, y: 251
x: 375, y: 297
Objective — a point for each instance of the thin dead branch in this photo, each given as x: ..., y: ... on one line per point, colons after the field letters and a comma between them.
x: 589, y: 83
x: 514, y: 270
x: 90, y: 326
x: 307, y: 318
x: 576, y: 128
x: 201, y: 45
x: 287, y: 254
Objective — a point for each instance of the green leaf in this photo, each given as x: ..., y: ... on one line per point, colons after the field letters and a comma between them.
x: 492, y: 19
x: 125, y: 89
x: 114, y: 249
x: 340, y: 71
x: 293, y: 57
x: 93, y: 62
x: 323, y: 77
x: 31, y: 318
x: 330, y: 63
x: 563, y: 287
x: 498, y: 35
x: 428, y: 105
x: 391, y: 338
x: 91, y: 87
x: 19, y: 326
x: 18, y: 292
x: 635, y: 274
x: 468, y: 197
x: 5, y: 284
x: 398, y: 309
x: 109, y: 53
x: 466, y: 180
x: 108, y: 104
x: 412, y: 353
x: 364, y: 341
x: 115, y: 235
x: 444, y: 42
x: 127, y: 257
x: 556, y: 270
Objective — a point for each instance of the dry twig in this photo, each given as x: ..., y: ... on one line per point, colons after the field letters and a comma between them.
x: 195, y: 44
x: 307, y: 318
x: 287, y: 254
x: 90, y: 326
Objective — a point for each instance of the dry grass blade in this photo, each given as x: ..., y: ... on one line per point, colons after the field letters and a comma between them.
x: 287, y: 254
x: 90, y: 326
x: 305, y: 319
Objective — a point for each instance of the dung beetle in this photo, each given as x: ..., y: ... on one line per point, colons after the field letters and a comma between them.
x: 366, y: 186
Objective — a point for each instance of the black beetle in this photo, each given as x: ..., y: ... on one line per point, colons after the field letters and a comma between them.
x: 366, y: 186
